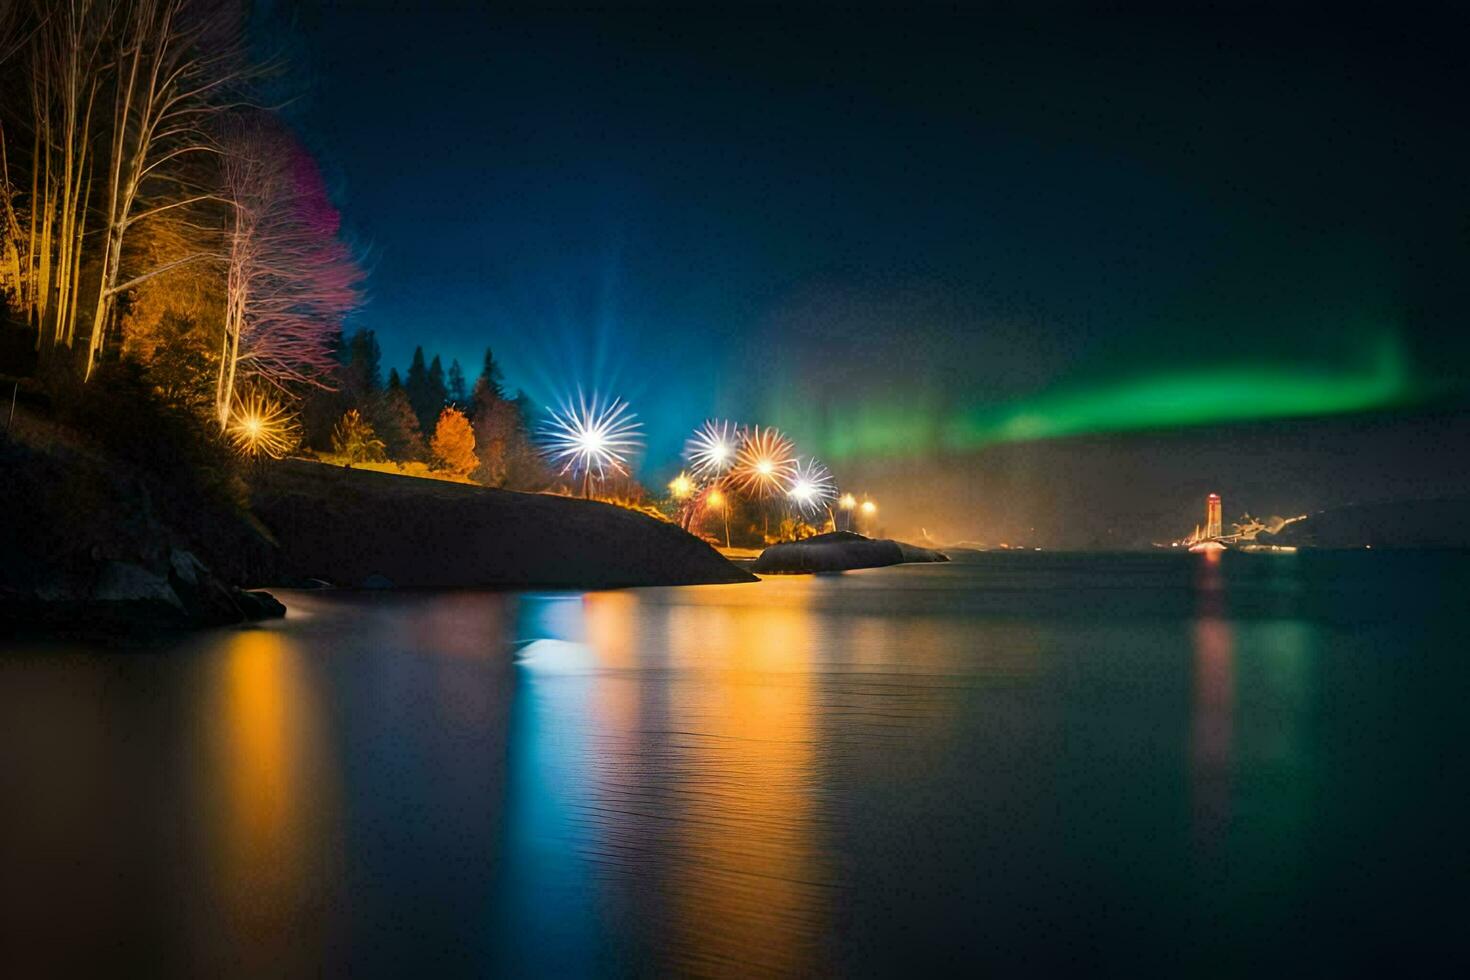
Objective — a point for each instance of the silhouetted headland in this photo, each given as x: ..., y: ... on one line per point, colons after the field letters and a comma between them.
x: 839, y: 551
x: 367, y: 529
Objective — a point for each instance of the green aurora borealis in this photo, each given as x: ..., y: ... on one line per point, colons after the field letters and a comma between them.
x: 919, y: 422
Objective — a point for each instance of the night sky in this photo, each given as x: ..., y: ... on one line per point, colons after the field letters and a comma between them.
x: 1066, y: 271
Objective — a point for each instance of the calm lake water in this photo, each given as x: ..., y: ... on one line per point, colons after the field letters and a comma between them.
x: 1158, y: 763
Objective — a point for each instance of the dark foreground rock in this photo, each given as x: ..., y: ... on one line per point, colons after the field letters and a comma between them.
x: 839, y: 551
x: 364, y: 529
x: 172, y: 592
x: 92, y: 543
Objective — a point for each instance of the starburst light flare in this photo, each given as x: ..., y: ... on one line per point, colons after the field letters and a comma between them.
x: 590, y: 439
x: 711, y: 450
x: 260, y: 426
x: 764, y: 463
x: 681, y: 487
x: 812, y: 488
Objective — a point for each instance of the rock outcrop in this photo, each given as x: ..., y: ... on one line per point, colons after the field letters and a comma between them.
x: 91, y: 543
x: 175, y: 591
x: 840, y: 551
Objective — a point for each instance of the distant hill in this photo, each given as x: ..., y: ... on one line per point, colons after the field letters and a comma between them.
x: 1443, y: 523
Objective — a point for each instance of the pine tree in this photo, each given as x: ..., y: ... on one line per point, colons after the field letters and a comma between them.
x: 491, y: 377
x: 322, y: 407
x: 364, y: 374
x: 496, y: 421
x: 454, y: 443
x: 525, y: 467
x: 398, y: 424
x: 457, y: 394
x: 420, y: 392
x: 436, y: 383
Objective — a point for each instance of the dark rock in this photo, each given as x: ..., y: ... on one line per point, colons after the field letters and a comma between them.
x: 840, y: 551
x: 95, y: 544
x: 119, y: 581
x: 129, y: 596
x: 260, y: 605
x: 186, y: 566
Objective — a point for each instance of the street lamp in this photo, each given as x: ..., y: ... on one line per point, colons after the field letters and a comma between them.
x: 869, y: 509
x: 847, y: 503
x: 681, y: 487
x: 716, y: 500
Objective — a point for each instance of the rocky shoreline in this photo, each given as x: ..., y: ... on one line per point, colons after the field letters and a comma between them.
x: 93, y: 541
x: 94, y: 545
x: 174, y: 594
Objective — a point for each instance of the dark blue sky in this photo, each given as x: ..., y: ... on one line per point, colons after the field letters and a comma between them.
x: 767, y: 216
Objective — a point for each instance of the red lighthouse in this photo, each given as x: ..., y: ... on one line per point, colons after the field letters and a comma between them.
x: 1213, y: 526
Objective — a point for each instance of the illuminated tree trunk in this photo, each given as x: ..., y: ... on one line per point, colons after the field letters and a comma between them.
x: 237, y: 296
x: 165, y: 92
x: 69, y: 64
x: 12, y: 274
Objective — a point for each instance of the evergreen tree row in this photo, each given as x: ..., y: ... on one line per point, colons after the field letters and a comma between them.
x: 429, y: 416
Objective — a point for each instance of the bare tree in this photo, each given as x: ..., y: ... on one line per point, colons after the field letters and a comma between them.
x: 290, y: 280
x: 68, y: 68
x: 175, y: 62
x: 124, y: 96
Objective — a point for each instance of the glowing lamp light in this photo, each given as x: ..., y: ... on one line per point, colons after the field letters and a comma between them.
x: 869, y: 508
x: 260, y: 426
x: 848, y: 501
x: 681, y: 487
x: 715, y: 499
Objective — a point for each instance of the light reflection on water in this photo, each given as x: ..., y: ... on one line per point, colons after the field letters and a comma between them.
x: 1214, y: 702
x: 272, y: 785
x: 706, y: 771
x: 1049, y: 762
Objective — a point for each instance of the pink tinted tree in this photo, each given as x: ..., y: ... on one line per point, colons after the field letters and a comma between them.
x: 290, y: 279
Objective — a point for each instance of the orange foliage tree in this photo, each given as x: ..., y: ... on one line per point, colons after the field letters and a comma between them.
x: 454, y: 443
